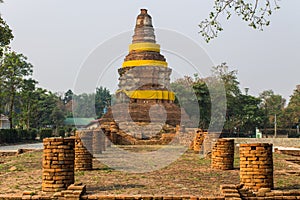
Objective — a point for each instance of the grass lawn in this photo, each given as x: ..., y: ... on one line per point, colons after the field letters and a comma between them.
x: 189, y: 175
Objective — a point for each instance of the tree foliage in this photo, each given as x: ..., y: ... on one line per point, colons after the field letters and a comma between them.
x: 14, y: 69
x: 102, y: 101
x: 5, y: 36
x: 292, y: 112
x: 254, y: 12
x: 243, y: 112
x: 272, y: 104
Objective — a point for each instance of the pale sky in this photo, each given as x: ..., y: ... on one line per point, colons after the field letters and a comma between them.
x: 58, y: 36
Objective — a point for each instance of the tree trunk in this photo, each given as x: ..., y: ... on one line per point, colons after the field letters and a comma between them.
x: 10, y: 116
x: 11, y: 107
x: 28, y: 117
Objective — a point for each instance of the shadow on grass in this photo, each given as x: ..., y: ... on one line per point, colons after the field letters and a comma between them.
x: 114, y: 187
x: 103, y: 169
x: 288, y: 187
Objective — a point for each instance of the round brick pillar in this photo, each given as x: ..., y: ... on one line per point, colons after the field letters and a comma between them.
x: 83, y: 150
x: 256, y: 166
x: 222, y: 156
x: 58, y: 164
x: 210, y: 139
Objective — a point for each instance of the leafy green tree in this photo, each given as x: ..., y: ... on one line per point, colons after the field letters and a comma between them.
x: 57, y: 116
x: 249, y: 113
x: 68, y: 96
x: 232, y: 90
x: 102, y: 100
x: 204, y: 101
x: 229, y: 79
x: 84, y: 105
x: 271, y: 105
x: 5, y: 36
x: 45, y: 103
x: 254, y: 12
x: 27, y: 101
x: 292, y: 112
x: 191, y: 95
x: 14, y: 69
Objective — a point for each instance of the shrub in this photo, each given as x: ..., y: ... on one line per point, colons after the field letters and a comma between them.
x: 45, y: 133
x: 61, y: 133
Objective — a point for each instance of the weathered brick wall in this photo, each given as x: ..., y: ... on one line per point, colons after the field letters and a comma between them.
x: 58, y: 164
x: 222, y: 156
x: 256, y: 166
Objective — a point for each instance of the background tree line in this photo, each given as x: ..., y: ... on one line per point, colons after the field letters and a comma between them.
x: 244, y: 112
x: 29, y: 106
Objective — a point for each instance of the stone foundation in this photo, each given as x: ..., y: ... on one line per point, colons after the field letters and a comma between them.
x: 256, y: 166
x: 58, y: 164
x: 222, y: 156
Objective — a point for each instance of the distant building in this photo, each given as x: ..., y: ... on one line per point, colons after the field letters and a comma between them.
x: 79, y: 123
x: 4, y: 122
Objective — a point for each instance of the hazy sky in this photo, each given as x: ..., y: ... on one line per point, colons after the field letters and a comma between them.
x: 58, y: 36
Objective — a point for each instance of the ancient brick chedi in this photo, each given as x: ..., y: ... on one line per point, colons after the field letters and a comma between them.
x: 144, y: 75
x: 144, y: 96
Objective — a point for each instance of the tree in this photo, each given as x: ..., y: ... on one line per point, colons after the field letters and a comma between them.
x: 57, y: 116
x: 5, y: 35
x: 27, y: 101
x: 249, y: 113
x: 192, y: 95
x: 46, y: 109
x: 271, y: 105
x: 102, y: 100
x: 256, y: 13
x: 292, y: 112
x: 229, y: 79
x: 5, y: 38
x: 84, y: 105
x: 68, y: 96
x: 14, y: 69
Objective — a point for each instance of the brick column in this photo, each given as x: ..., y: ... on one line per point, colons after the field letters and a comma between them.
x: 83, y: 150
x: 223, y: 154
x: 58, y: 164
x: 198, y: 140
x: 209, y: 141
x: 256, y: 166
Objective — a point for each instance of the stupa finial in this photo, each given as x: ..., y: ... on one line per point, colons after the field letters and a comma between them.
x: 143, y: 31
x: 144, y: 11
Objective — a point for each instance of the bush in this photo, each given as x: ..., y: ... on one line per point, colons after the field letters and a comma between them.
x: 32, y: 134
x: 45, y: 133
x: 17, y: 135
x: 61, y: 133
